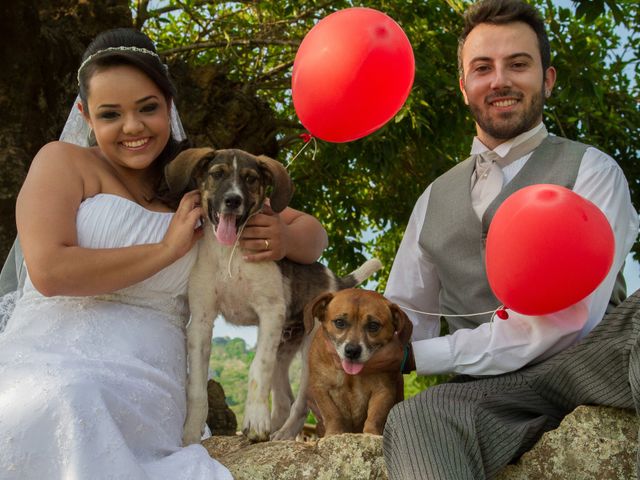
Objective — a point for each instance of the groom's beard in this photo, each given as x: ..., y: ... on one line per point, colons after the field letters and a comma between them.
x: 508, y: 125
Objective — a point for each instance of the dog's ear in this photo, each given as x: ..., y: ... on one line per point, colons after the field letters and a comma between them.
x: 401, y: 323
x: 280, y: 180
x: 316, y: 309
x: 179, y: 172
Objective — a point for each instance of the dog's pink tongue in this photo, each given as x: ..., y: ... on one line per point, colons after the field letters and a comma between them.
x: 352, y: 368
x: 226, y: 232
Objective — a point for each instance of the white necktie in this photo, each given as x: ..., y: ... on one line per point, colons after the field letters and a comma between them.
x: 489, y: 180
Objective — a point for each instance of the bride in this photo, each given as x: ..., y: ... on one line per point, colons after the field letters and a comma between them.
x: 92, y: 359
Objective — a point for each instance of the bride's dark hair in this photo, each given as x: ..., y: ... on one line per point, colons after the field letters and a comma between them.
x: 124, y: 46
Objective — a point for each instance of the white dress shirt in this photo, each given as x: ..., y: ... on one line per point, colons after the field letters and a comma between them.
x: 506, y: 345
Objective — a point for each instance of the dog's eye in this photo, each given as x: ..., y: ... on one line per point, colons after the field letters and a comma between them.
x: 373, y: 327
x: 217, y: 174
x: 250, y: 179
x: 340, y: 323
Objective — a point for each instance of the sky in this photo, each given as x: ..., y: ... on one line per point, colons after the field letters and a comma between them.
x: 632, y: 274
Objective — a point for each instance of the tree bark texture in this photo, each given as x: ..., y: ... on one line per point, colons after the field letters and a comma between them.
x: 42, y: 44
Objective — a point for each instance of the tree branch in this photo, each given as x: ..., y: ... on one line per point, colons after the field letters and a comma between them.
x: 171, y: 8
x: 305, y: 14
x: 142, y: 13
x: 224, y: 43
x: 274, y: 71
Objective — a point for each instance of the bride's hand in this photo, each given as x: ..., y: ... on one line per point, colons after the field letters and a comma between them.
x: 184, y: 230
x: 265, y: 234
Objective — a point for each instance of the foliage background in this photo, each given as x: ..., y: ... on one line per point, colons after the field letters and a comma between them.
x: 229, y: 365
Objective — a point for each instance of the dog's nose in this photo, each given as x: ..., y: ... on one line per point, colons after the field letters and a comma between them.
x: 352, y: 351
x: 232, y: 200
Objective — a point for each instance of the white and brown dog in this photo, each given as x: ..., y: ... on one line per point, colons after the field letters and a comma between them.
x: 272, y: 295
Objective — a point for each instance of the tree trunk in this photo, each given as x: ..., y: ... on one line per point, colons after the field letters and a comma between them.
x: 220, y: 113
x: 41, y: 47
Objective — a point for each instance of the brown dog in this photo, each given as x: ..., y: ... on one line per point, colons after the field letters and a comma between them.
x: 354, y: 325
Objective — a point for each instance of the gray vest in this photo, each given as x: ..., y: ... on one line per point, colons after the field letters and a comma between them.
x: 455, y: 238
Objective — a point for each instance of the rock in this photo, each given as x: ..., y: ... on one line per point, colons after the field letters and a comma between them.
x: 347, y: 456
x: 591, y: 443
x: 220, y: 418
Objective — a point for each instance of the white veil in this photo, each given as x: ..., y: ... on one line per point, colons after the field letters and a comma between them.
x: 14, y: 272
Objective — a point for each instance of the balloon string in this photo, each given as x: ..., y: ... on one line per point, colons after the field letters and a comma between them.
x: 236, y: 243
x: 452, y: 315
x: 500, y: 312
x: 307, y: 138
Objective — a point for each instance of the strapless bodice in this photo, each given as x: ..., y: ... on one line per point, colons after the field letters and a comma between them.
x: 111, y: 221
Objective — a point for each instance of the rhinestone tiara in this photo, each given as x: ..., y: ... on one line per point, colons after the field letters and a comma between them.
x: 116, y: 49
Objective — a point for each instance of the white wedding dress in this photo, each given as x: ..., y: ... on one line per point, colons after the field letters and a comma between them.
x: 94, y: 387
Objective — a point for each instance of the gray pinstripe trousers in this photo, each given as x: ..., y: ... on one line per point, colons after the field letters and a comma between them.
x: 470, y: 428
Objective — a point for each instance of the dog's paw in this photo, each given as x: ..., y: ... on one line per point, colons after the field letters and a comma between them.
x: 192, y: 430
x: 279, y: 415
x: 257, y: 422
x: 294, y: 422
x: 289, y: 430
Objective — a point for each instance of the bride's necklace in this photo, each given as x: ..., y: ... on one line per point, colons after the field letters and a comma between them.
x: 142, y: 194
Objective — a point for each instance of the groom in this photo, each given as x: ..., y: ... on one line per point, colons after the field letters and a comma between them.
x: 500, y: 405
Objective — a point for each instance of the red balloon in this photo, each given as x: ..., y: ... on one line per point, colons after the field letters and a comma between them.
x: 352, y: 73
x: 547, y: 249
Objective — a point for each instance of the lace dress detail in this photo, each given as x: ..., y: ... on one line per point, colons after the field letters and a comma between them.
x: 7, y: 304
x: 93, y: 387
